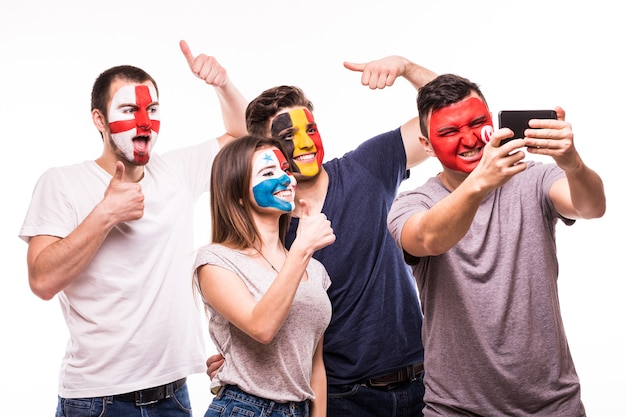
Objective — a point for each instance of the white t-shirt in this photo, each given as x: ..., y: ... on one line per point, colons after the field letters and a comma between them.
x: 132, y: 318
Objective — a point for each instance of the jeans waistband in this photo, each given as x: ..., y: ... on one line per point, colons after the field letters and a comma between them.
x: 151, y: 395
x: 234, y: 392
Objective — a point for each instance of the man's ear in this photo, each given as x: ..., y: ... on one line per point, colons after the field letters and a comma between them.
x: 428, y: 147
x: 99, y: 120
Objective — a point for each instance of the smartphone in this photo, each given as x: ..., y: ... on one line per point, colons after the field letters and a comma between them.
x: 517, y: 120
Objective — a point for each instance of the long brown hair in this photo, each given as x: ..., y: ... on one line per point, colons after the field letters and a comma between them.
x: 231, y: 219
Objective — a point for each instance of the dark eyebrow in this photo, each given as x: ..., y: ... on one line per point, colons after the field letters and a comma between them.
x: 135, y: 105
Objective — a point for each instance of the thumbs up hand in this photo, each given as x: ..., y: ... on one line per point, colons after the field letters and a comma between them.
x: 204, y: 67
x: 314, y: 230
x: 124, y: 201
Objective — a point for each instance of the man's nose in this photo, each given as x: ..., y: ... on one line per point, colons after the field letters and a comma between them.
x: 143, y: 119
x: 304, y: 141
x: 468, y: 137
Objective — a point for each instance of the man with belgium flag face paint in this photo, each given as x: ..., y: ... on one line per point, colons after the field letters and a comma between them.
x: 372, y: 347
x: 298, y: 130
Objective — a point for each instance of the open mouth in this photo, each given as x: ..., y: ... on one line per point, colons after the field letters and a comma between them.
x: 140, y: 144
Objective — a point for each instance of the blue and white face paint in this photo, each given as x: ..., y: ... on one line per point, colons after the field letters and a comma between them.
x: 273, y: 185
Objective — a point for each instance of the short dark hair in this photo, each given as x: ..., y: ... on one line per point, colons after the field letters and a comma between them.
x: 441, y: 92
x: 268, y: 103
x: 100, y: 91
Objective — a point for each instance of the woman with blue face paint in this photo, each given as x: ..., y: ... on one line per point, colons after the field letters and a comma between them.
x: 267, y: 307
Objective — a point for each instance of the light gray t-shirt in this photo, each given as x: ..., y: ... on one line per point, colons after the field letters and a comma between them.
x: 280, y: 370
x: 493, y: 335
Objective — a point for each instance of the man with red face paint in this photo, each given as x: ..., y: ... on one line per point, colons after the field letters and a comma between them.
x: 372, y: 347
x: 480, y: 237
x: 113, y: 240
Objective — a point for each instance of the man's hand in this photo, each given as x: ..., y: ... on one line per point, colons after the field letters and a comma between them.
x: 499, y: 163
x: 553, y: 138
x: 123, y: 200
x: 383, y: 72
x: 213, y: 363
x: 205, y: 67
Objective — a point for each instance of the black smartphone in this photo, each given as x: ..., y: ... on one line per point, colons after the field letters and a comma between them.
x: 517, y: 120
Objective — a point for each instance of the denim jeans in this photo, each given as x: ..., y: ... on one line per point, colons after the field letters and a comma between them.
x: 178, y: 405
x: 231, y: 401
x: 404, y: 399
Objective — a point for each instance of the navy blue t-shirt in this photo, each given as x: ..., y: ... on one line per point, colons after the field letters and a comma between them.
x: 376, y: 323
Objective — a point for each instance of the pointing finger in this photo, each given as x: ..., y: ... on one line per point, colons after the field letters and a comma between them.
x: 354, y: 67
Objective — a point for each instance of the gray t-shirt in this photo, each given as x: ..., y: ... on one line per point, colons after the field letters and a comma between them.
x: 280, y: 370
x: 493, y: 335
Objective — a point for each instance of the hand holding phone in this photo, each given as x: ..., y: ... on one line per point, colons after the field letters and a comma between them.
x: 517, y: 120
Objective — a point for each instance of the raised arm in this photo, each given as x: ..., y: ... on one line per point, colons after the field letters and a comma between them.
x: 232, y: 102
x: 580, y: 195
x: 382, y: 73
x: 435, y: 231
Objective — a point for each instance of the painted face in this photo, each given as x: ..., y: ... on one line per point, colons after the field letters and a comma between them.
x: 297, y: 128
x: 273, y: 185
x: 134, y: 121
x: 458, y: 133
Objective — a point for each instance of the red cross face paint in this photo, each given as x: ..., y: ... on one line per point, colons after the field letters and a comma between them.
x: 273, y: 185
x: 134, y: 121
x: 459, y: 132
x: 297, y: 128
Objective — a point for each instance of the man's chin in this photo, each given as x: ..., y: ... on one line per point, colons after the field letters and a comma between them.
x: 141, y: 159
x: 307, y: 171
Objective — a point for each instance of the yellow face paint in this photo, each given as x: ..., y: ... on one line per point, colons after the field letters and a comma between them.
x: 299, y: 130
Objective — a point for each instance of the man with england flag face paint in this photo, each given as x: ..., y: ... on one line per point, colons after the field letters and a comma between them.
x: 480, y: 239
x: 372, y: 360
x: 134, y: 122
x: 114, y: 239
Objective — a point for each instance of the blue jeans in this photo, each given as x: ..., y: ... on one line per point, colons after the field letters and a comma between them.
x: 231, y: 401
x: 399, y: 400
x: 178, y: 405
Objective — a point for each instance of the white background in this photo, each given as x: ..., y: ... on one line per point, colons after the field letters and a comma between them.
x: 527, y: 54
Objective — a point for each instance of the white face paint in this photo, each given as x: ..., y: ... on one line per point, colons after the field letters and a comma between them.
x: 134, y: 121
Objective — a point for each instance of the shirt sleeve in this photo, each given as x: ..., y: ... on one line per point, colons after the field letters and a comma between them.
x: 384, y: 156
